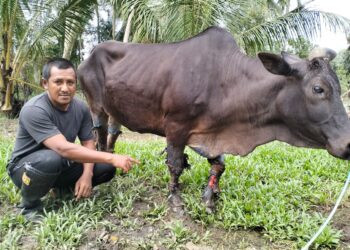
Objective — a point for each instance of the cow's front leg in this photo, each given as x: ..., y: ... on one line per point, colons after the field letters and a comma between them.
x: 113, y: 133
x: 176, y: 163
x: 212, y: 190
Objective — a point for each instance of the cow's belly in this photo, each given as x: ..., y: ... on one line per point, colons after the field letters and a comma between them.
x: 135, y: 112
x: 203, y: 150
x: 211, y: 145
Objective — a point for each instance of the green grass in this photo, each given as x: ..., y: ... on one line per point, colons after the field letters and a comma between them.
x: 277, y: 190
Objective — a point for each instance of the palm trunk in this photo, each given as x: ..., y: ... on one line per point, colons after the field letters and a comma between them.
x: 2, y: 72
x: 6, y: 91
x: 128, y: 27
x: 2, y: 82
x: 8, y: 97
x: 114, y: 18
x: 98, y: 24
x: 6, y: 71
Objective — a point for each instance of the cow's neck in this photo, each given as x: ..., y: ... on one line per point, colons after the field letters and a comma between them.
x: 258, y: 121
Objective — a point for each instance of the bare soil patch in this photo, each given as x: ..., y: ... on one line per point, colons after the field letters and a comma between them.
x: 150, y: 233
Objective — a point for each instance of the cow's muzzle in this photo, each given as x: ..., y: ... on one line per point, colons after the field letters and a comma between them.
x: 339, y: 149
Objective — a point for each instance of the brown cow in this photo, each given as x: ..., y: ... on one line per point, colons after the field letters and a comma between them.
x: 205, y: 93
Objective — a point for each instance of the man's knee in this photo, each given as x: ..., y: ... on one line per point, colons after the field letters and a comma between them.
x: 103, y: 173
x: 109, y: 172
x: 48, y: 162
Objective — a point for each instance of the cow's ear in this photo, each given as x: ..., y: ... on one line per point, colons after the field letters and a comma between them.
x: 275, y: 64
x: 290, y: 59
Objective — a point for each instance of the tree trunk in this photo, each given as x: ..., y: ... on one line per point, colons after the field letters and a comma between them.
x: 128, y: 27
x: 2, y: 81
x: 8, y: 97
x: 6, y: 71
x: 114, y: 18
x: 98, y: 24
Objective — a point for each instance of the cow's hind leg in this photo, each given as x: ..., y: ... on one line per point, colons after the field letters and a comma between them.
x: 176, y: 164
x: 100, y: 127
x: 212, y: 190
x: 113, y: 133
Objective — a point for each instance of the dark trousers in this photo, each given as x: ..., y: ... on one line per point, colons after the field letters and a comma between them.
x: 36, y: 173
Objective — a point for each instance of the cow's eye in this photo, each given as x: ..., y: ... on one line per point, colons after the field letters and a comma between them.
x: 317, y: 89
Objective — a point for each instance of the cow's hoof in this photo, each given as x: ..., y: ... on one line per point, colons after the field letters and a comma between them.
x: 210, y: 210
x: 176, y: 204
x: 208, y: 200
x: 175, y: 200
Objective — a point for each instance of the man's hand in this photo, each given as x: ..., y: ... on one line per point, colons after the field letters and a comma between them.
x: 124, y: 162
x: 83, y: 187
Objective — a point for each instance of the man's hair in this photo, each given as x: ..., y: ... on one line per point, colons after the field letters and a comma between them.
x: 60, y: 63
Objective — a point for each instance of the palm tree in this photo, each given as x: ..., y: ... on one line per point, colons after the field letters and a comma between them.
x: 278, y: 27
x: 27, y: 28
x: 256, y: 25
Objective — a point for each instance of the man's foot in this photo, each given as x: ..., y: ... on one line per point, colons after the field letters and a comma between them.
x: 32, y: 212
x: 32, y: 215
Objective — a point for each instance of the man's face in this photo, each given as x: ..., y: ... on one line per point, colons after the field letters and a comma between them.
x: 61, y: 87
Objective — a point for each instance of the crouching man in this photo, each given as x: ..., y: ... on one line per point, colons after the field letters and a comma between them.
x: 45, y: 155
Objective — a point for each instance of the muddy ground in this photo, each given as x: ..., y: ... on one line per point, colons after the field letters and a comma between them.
x: 152, y: 232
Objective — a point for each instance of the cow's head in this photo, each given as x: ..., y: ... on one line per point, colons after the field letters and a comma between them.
x: 309, y: 102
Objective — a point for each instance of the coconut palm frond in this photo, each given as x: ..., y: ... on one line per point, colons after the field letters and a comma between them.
x: 71, y: 18
x: 145, y: 19
x: 302, y: 23
x: 183, y: 19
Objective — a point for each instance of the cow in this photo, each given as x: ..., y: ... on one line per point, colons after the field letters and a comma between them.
x: 205, y: 93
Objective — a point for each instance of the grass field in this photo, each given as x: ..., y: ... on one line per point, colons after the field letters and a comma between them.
x: 276, y: 198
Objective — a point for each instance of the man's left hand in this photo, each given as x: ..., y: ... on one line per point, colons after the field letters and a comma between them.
x: 83, y: 187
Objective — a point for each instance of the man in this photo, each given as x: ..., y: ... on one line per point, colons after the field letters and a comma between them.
x: 45, y: 155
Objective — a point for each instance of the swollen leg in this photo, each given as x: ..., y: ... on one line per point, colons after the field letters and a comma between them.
x: 212, y: 190
x: 113, y: 133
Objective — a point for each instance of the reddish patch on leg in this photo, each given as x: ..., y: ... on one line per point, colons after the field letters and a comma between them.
x: 212, y: 181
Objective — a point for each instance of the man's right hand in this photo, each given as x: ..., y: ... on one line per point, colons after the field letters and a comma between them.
x: 124, y: 162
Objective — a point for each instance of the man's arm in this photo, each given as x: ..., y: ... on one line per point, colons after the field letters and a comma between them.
x: 75, y: 152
